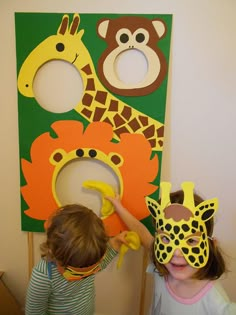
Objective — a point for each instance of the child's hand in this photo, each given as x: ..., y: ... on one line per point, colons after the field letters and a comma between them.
x: 115, y: 201
x: 118, y: 240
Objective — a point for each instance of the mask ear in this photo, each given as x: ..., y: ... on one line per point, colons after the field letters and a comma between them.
x: 207, y: 209
x: 153, y: 206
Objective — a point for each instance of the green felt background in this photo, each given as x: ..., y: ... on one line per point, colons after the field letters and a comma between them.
x: 33, y: 28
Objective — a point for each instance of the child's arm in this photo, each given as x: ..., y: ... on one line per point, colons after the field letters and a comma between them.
x: 132, y: 223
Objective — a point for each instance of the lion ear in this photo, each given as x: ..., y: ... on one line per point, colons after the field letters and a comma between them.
x: 153, y: 206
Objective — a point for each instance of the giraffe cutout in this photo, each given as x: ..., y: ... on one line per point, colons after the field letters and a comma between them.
x: 96, y: 104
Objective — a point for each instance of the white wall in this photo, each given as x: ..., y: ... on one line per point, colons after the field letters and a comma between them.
x: 199, y: 144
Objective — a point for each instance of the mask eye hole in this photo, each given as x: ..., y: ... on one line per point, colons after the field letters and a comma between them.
x: 165, y: 239
x: 193, y: 241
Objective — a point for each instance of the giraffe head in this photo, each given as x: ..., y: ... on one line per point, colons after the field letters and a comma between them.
x: 181, y: 226
x: 66, y: 45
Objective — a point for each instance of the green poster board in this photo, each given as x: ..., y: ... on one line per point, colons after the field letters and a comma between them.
x: 134, y: 110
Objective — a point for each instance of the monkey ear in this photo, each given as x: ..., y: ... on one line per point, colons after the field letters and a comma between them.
x: 160, y: 27
x: 102, y: 27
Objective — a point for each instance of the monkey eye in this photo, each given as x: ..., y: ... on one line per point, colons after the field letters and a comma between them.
x: 141, y: 36
x: 124, y: 38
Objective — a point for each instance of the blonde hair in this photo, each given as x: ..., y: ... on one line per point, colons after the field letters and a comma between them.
x: 216, y: 265
x: 75, y: 237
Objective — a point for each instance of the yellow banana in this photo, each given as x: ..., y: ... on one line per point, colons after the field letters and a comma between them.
x: 133, y: 242
x: 105, y: 190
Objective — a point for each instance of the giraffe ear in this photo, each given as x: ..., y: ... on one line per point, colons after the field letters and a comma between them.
x: 152, y: 205
x: 207, y: 209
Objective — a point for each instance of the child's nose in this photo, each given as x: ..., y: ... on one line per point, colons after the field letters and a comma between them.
x: 178, y: 252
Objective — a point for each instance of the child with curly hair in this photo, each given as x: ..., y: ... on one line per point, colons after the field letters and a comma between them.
x: 76, y: 248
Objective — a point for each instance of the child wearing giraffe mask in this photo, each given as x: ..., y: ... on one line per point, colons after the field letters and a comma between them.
x: 186, y: 259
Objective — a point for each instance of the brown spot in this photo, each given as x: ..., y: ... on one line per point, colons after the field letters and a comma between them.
x: 134, y: 124
x: 86, y: 112
x: 149, y: 132
x: 57, y: 157
x: 101, y: 97
x: 160, y: 142
x: 107, y: 120
x: 98, y: 113
x: 121, y: 130
x: 143, y: 120
x: 87, y: 99
x: 118, y: 120
x: 87, y: 69
x: 115, y: 159
x: 126, y: 112
x: 160, y: 132
x: 177, y: 212
x: 90, y: 85
x: 113, y: 106
x: 152, y: 142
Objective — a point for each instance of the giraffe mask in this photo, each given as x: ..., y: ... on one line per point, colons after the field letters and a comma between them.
x: 181, y: 226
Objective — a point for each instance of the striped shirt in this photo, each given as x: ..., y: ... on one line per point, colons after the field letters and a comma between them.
x: 54, y: 295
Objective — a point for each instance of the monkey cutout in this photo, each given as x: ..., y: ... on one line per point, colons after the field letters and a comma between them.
x: 132, y: 32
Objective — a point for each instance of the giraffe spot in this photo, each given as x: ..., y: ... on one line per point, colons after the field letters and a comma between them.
x: 86, y: 112
x: 87, y: 99
x: 121, y: 130
x: 205, y: 252
x: 185, y: 227
x: 203, y: 236
x: 172, y: 236
x: 160, y: 132
x: 149, y: 132
x: 197, y: 213
x: 207, y: 214
x: 181, y: 236
x: 113, y: 106
x: 101, y: 97
x: 160, y: 222
x: 118, y: 120
x: 164, y: 255
x: 143, y: 120
x: 202, y: 245
x: 196, y: 264
x: 87, y: 69
x: 126, y: 112
x: 176, y: 229
x: 168, y: 227
x: 161, y: 246
x: 176, y: 242
x: 98, y: 113
x: 185, y: 250
x: 152, y: 142
x: 169, y: 249
x: 134, y: 124
x: 201, y: 228
x: 200, y: 258
x: 195, y: 250
x: 191, y: 258
x: 193, y: 231
x: 90, y: 85
x: 153, y: 212
x: 195, y: 224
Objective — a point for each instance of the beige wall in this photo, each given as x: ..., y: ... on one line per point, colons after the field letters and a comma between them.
x: 199, y: 146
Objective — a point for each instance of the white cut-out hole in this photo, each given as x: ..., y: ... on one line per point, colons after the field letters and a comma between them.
x: 131, y: 66
x: 70, y: 179
x: 58, y: 86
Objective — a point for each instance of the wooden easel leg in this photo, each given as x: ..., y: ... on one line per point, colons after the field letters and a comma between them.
x: 30, y: 253
x: 143, y: 281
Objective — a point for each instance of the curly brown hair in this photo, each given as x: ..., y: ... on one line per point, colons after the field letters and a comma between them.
x: 216, y: 265
x: 75, y: 237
